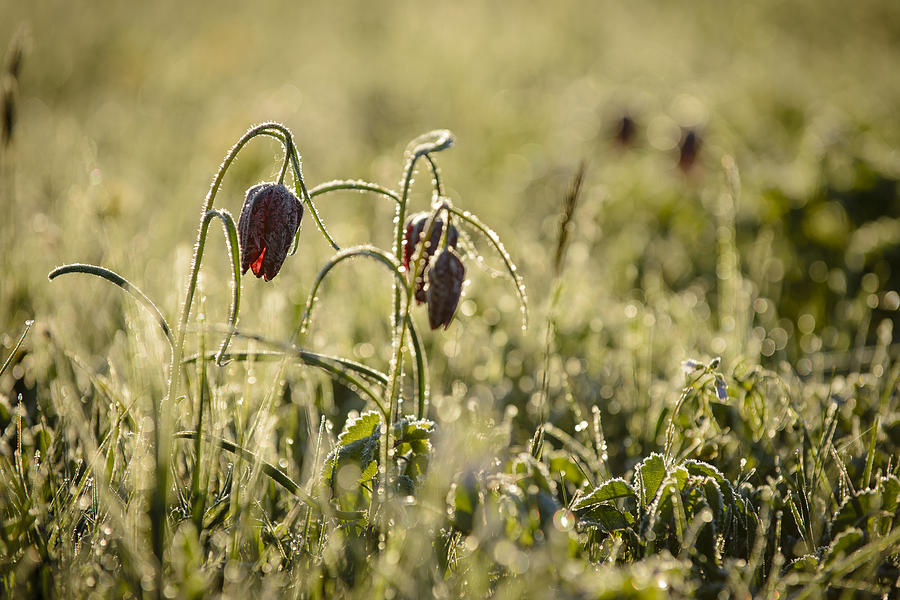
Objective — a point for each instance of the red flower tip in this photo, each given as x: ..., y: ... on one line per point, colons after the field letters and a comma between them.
x: 270, y: 218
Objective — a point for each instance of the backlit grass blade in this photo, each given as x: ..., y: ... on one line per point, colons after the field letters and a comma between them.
x: 231, y: 239
x: 274, y: 473
x: 311, y: 359
x: 9, y: 358
x: 120, y: 281
x: 870, y: 455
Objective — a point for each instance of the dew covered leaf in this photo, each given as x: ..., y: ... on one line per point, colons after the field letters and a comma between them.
x: 648, y: 476
x: 890, y: 492
x: 855, y: 511
x: 609, y: 517
x: 608, y: 490
x: 843, y: 544
x: 357, y: 443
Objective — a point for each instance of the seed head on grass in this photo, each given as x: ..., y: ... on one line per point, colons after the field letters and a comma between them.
x: 269, y: 221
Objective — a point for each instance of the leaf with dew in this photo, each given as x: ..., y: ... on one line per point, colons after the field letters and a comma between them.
x: 649, y: 476
x: 608, y: 490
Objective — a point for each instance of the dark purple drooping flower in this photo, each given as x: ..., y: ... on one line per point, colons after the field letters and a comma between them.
x: 269, y: 221
x: 445, y: 281
x: 625, y: 131
x: 688, y: 150
x: 415, y: 226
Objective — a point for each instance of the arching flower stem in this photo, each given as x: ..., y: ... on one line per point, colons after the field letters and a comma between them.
x: 396, y: 364
x: 160, y: 412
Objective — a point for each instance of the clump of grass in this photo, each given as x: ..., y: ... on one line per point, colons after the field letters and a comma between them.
x: 223, y: 471
x: 388, y: 450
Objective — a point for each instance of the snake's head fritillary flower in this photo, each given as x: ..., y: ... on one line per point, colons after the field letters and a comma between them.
x: 625, y: 131
x: 415, y: 226
x: 689, y: 150
x: 445, y: 281
x: 269, y: 221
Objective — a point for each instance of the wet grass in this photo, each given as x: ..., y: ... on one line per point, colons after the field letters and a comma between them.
x: 703, y: 404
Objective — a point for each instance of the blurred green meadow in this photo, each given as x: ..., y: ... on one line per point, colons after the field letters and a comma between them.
x: 774, y: 246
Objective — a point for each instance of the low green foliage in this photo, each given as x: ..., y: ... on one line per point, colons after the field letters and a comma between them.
x: 698, y: 396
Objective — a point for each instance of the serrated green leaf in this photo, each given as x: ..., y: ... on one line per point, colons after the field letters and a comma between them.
x: 843, y: 544
x: 808, y: 563
x: 369, y: 472
x: 357, y: 443
x: 408, y: 430
x: 608, y: 517
x: 680, y: 475
x: 361, y: 427
x: 363, y: 453
x: 714, y: 499
x: 890, y: 493
x: 697, y: 467
x: 535, y: 473
x: 854, y: 511
x: 420, y: 446
x: 609, y: 490
x: 648, y: 476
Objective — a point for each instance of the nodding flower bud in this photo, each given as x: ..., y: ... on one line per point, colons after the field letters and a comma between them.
x: 445, y: 281
x: 688, y: 150
x: 269, y: 221
x: 415, y: 226
x: 626, y: 131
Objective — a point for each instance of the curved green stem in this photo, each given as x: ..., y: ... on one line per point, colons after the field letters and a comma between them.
x: 398, y: 345
x: 284, y: 166
x: 340, y: 373
x: 268, y: 129
x: 231, y: 240
x: 421, y: 371
x: 387, y: 260
x: 365, y: 251
x: 326, y: 362
x: 436, y: 176
x: 433, y: 141
x: 298, y: 182
x: 353, y: 184
x: 161, y: 417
